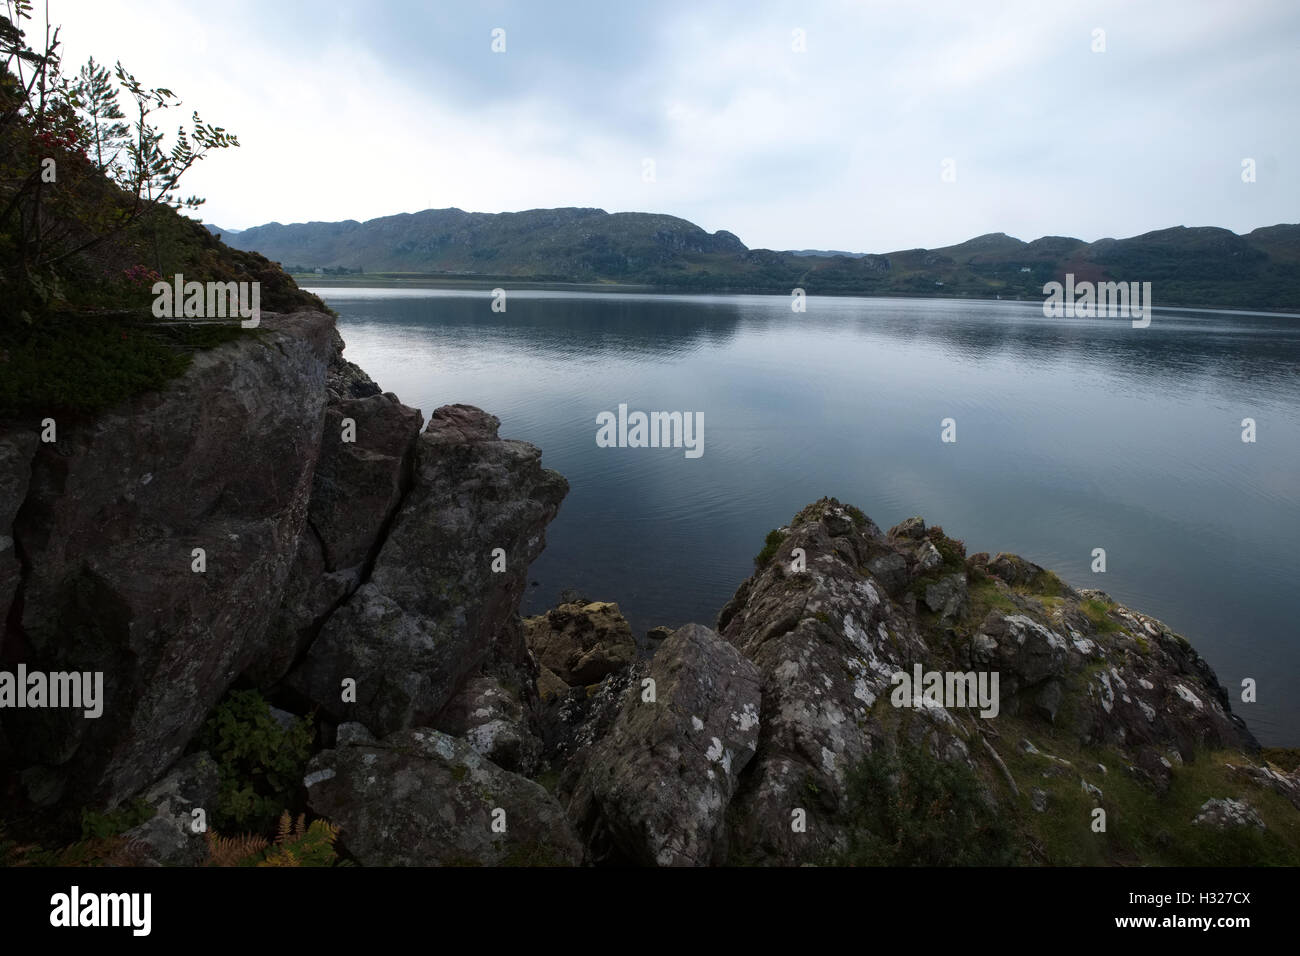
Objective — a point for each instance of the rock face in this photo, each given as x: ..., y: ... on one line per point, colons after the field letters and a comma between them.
x: 422, y: 798
x: 654, y: 790
x: 364, y: 470
x: 109, y: 528
x: 581, y: 643
x: 434, y: 609
x: 17, y: 449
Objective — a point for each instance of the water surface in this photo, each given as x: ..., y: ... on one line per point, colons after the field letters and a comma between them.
x: 1072, y: 434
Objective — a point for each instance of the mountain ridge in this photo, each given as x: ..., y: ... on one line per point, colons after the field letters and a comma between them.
x: 1188, y: 265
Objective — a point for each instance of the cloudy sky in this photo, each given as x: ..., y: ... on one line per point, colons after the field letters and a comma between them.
x: 356, y: 110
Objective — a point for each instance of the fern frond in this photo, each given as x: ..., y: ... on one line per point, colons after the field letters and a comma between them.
x: 233, y: 851
x: 284, y: 830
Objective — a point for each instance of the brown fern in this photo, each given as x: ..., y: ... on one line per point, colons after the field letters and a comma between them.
x: 284, y: 830
x: 231, y: 851
x: 290, y: 847
x: 280, y: 856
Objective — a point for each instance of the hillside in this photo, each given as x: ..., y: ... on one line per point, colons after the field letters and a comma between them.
x: 1196, y: 266
x: 90, y: 220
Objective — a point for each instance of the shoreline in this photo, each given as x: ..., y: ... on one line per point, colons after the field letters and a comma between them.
x: 311, y: 283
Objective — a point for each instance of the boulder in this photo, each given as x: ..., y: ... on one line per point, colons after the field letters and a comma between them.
x: 434, y: 611
x: 1222, y: 813
x: 1024, y: 651
x: 422, y: 798
x: 928, y: 558
x: 913, y: 528
x: 581, y: 643
x: 947, y: 597
x: 654, y: 789
x: 359, y: 482
x: 1013, y: 569
x: 493, y: 721
x: 168, y: 839
x: 549, y: 685
x: 890, y: 570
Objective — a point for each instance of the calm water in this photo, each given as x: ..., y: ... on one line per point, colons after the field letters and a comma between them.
x: 1072, y: 434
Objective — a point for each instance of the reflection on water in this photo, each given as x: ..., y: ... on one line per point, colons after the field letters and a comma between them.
x: 1072, y: 434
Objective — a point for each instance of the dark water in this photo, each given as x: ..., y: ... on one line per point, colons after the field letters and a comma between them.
x: 1072, y: 434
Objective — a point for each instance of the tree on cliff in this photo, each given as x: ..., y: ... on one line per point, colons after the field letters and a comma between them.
x: 109, y: 136
x: 72, y: 173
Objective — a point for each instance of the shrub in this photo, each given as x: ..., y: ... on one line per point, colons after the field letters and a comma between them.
x: 1098, y: 612
x: 859, y: 519
x: 772, y: 542
x: 102, y: 826
x: 912, y: 809
x: 952, y: 550
x: 260, y: 762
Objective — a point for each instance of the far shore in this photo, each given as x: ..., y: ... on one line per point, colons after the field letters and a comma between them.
x: 419, y: 280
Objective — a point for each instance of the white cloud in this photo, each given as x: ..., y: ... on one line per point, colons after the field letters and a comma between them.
x: 837, y: 147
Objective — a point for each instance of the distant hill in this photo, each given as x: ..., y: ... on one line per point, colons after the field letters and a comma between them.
x: 824, y: 253
x: 1205, y: 265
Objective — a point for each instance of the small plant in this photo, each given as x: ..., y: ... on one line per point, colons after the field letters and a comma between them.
x: 951, y: 550
x: 1098, y: 612
x: 770, y: 545
x: 297, y: 843
x: 260, y: 762
x: 110, y: 850
x: 1048, y: 584
x: 141, y: 276
x: 97, y: 825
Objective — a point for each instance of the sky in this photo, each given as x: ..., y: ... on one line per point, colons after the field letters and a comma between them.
x: 897, y: 125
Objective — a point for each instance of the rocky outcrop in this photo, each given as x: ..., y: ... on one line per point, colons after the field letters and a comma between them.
x: 826, y: 641
x: 581, y: 643
x: 654, y: 789
x: 157, y: 541
x: 338, y: 543
x: 442, y: 599
x: 422, y: 798
x: 834, y: 626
